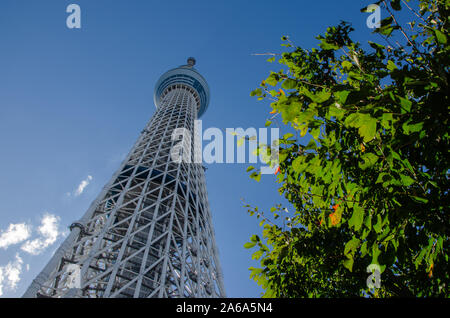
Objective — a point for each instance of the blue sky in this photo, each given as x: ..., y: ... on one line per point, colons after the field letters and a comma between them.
x: 73, y: 102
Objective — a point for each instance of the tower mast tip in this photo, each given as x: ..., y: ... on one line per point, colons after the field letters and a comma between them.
x: 191, y: 61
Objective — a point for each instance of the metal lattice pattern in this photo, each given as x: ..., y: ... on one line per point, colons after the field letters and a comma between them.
x: 149, y: 233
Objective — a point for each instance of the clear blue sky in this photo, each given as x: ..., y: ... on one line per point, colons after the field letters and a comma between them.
x: 73, y: 102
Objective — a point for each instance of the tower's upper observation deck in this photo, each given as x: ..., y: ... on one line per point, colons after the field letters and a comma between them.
x: 185, y: 75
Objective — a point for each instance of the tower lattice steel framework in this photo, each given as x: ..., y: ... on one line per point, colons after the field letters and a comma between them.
x: 149, y: 232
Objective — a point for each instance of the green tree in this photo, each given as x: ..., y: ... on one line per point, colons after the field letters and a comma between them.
x: 371, y: 187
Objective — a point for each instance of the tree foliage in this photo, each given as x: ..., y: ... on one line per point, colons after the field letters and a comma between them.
x: 371, y: 187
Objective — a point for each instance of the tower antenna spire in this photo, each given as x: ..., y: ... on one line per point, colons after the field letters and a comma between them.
x: 191, y: 61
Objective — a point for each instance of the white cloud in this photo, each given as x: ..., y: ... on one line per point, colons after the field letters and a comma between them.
x: 10, y: 274
x: 15, y: 234
x: 48, y: 232
x: 82, y: 186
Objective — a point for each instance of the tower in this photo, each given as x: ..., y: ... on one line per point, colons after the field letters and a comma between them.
x: 149, y: 232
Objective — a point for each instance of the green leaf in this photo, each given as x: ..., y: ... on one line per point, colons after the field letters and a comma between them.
x: 383, y: 177
x: 386, y: 22
x: 376, y: 46
x: 378, y: 226
x: 357, y: 76
x: 311, y: 145
x: 322, y: 96
x: 351, y: 246
x: 315, y: 133
x: 419, y: 199
x: 282, y: 156
x: 250, y: 168
x: 386, y: 31
x: 257, y: 254
x: 337, y: 112
x: 255, y: 238
x: 249, y: 245
x: 256, y: 92
x: 386, y: 120
x: 255, y: 271
x: 271, y: 80
x: 348, y: 263
x: 328, y: 46
x: 256, y: 176
x: 368, y: 128
x: 352, y: 120
x: 375, y: 254
x: 386, y: 27
x: 441, y: 37
x: 317, y: 97
x: 289, y: 84
x: 347, y: 65
x: 368, y: 221
x: 366, y: 124
x: 364, y: 249
x: 391, y: 65
x: 408, y: 129
x: 357, y: 218
x: 366, y: 9
x: 419, y: 258
x: 297, y: 163
x: 406, y: 104
x: 342, y: 96
x: 406, y: 180
x: 369, y: 160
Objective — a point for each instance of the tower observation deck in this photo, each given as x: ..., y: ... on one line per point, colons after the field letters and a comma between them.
x: 149, y: 232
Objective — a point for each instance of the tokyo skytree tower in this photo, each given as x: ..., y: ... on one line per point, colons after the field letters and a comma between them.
x: 149, y: 232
